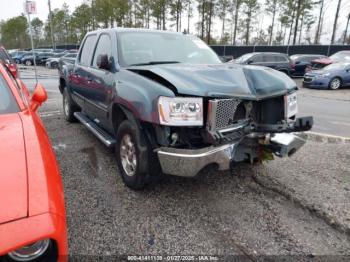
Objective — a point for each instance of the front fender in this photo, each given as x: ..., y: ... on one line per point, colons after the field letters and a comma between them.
x: 140, y: 95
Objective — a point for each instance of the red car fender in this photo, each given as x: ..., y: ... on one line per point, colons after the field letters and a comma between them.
x: 16, y: 234
x: 44, y: 180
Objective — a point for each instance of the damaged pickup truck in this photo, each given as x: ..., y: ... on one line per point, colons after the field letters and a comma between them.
x: 167, y: 104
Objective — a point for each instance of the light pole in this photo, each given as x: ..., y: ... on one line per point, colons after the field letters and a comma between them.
x: 28, y: 11
x: 50, y: 19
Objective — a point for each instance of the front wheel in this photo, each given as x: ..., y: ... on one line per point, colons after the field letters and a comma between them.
x: 133, y: 155
x: 335, y: 83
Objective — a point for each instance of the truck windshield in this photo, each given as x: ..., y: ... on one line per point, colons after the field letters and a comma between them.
x: 8, y: 103
x: 149, y: 48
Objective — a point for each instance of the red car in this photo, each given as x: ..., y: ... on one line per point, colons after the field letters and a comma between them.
x: 32, y: 214
x: 7, y: 59
x: 341, y: 56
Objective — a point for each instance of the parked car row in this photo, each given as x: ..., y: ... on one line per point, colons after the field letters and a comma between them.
x: 47, y: 57
x: 319, y: 71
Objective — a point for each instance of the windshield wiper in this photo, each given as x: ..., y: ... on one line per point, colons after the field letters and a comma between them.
x: 156, y: 63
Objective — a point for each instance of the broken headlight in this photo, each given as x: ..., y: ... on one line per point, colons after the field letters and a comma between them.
x: 180, y: 111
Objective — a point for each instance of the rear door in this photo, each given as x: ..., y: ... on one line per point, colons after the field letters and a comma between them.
x: 80, y: 79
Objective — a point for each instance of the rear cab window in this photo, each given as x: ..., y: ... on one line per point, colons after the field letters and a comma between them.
x: 85, y: 56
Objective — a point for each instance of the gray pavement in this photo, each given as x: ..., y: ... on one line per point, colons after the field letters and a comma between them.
x: 293, y: 206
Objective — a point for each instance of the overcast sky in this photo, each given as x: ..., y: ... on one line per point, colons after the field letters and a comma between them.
x: 15, y: 7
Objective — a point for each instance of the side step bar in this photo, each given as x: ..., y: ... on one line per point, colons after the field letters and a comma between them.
x: 102, y: 135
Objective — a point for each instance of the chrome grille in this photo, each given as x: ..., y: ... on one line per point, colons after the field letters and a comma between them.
x: 221, y: 113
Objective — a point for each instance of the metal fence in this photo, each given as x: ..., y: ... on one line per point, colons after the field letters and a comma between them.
x: 61, y: 46
x: 236, y: 51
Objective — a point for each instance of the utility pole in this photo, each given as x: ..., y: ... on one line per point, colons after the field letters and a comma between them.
x: 335, y: 22
x: 50, y: 19
x: 346, y: 29
x: 317, y: 36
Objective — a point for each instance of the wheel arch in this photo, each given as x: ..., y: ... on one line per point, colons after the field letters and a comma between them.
x: 62, y: 85
x: 121, y: 113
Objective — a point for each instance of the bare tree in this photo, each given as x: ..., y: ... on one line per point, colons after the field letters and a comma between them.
x: 271, y: 7
x: 335, y: 22
x: 317, y: 35
x: 297, y: 21
x: 346, y: 29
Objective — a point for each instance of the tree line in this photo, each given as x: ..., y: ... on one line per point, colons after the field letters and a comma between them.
x: 236, y: 22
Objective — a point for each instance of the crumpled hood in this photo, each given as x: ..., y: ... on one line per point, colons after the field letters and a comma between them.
x: 324, y: 61
x: 13, y: 172
x: 223, y: 80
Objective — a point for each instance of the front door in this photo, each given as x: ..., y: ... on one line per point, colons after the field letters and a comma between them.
x: 102, y: 86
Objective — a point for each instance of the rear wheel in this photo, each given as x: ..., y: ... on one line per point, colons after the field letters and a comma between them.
x: 28, y: 63
x: 335, y: 83
x: 134, y: 156
x: 69, y: 107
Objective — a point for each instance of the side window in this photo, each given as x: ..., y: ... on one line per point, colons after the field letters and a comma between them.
x: 86, y: 52
x: 280, y: 58
x: 103, y: 48
x: 269, y: 58
x: 257, y: 59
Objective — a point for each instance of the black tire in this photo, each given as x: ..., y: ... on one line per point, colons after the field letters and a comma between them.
x: 54, y: 65
x: 28, y: 63
x: 139, y: 176
x: 69, y: 107
x: 335, y: 83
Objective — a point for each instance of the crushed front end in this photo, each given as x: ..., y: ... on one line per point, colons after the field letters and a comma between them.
x: 233, y: 130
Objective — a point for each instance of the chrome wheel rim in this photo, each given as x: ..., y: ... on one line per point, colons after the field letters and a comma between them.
x: 335, y: 84
x: 65, y: 106
x: 28, y: 63
x: 128, y: 155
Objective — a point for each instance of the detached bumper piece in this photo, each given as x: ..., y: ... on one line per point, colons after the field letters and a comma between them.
x: 188, y: 162
x: 298, y: 125
x: 285, y: 144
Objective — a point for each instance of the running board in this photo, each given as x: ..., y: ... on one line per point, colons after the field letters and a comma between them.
x: 102, y: 135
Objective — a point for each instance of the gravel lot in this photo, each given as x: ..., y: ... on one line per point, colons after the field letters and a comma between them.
x: 296, y: 208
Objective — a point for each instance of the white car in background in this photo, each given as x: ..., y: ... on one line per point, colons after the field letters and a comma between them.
x: 52, y: 62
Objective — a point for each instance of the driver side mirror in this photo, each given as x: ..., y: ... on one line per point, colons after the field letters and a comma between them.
x: 39, y: 96
x: 103, y: 62
x: 249, y: 62
x: 297, y: 62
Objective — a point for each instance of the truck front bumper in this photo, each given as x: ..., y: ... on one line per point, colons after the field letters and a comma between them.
x: 188, y: 162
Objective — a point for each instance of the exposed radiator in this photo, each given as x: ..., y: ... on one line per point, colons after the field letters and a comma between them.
x: 221, y: 113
